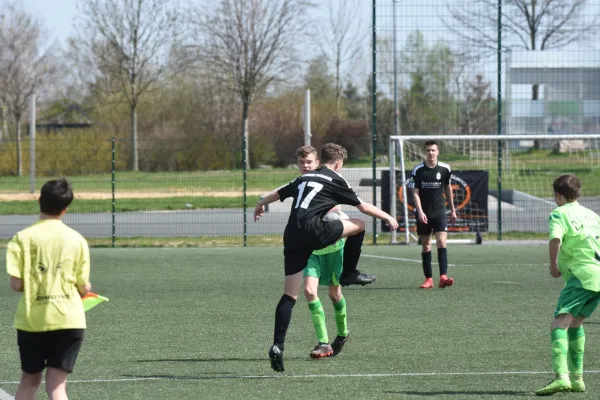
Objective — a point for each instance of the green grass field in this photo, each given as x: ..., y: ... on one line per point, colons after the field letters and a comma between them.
x: 197, y: 323
x: 139, y: 204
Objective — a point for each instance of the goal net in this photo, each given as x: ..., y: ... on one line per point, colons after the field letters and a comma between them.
x: 502, y: 184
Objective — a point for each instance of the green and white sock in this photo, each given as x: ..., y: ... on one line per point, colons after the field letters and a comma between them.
x: 341, y: 321
x: 318, y: 318
x: 575, y: 352
x: 560, y: 344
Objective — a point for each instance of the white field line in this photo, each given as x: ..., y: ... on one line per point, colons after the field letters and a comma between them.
x: 450, y: 265
x: 537, y: 198
x: 308, y: 376
x: 400, y: 259
x: 5, y: 396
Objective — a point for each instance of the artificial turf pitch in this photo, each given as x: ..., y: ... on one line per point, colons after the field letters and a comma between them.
x: 196, y: 323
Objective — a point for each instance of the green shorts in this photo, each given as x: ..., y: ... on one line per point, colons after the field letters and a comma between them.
x: 326, y: 267
x: 576, y: 300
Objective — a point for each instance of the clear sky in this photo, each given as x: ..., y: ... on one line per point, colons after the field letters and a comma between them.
x: 56, y: 15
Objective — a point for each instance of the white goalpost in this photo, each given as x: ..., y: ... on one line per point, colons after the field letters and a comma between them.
x: 503, y: 184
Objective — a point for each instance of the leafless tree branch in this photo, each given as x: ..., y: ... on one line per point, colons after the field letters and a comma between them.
x: 126, y: 45
x: 26, y: 63
x: 248, y: 44
x: 527, y: 24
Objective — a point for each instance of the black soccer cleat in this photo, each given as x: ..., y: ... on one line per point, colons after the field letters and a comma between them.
x: 338, y: 344
x: 357, y: 278
x: 276, y: 356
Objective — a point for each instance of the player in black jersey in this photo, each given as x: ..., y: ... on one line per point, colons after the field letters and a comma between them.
x: 307, y: 160
x: 430, y: 180
x: 314, y: 194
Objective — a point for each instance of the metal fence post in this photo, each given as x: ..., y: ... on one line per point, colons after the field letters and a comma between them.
x: 113, y: 193
x: 499, y: 117
x: 374, y: 117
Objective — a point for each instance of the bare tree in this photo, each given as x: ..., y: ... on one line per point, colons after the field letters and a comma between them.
x: 527, y: 25
x: 341, y: 38
x: 25, y: 66
x: 249, y: 44
x: 128, y: 44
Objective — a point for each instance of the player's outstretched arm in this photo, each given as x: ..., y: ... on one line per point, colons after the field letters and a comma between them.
x: 373, y: 211
x: 259, y: 210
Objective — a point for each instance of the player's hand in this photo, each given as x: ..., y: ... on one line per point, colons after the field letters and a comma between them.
x: 393, y: 223
x: 259, y: 211
x: 554, y: 271
x: 423, y: 217
x: 453, y: 217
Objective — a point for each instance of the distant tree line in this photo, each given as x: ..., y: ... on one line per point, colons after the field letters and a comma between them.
x: 220, y: 85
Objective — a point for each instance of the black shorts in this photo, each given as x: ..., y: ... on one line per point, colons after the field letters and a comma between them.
x: 299, y: 245
x: 433, y: 225
x: 55, y: 349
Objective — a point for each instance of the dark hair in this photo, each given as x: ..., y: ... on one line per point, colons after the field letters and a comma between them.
x: 568, y: 185
x: 55, y: 196
x: 331, y: 152
x: 305, y: 151
x: 430, y: 143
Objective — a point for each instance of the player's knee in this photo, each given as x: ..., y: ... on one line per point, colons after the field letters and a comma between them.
x: 425, y: 244
x: 577, y: 322
x: 359, y: 224
x: 562, y: 321
x: 56, y: 383
x: 56, y: 391
x: 335, y: 295
x: 310, y: 293
x: 31, y: 380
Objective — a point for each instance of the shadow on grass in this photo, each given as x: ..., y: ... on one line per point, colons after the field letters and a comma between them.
x: 462, y: 393
x: 379, y: 288
x: 196, y: 378
x: 215, y: 359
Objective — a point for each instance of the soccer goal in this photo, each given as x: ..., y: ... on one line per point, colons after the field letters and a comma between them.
x: 502, y: 184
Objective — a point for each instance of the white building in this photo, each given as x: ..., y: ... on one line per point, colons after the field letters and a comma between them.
x: 569, y: 92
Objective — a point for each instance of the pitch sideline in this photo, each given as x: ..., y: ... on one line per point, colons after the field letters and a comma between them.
x: 304, y: 376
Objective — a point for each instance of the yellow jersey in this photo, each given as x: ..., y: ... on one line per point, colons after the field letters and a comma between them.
x: 51, y: 259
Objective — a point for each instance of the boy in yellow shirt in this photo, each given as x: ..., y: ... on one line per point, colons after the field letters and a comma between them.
x: 50, y: 264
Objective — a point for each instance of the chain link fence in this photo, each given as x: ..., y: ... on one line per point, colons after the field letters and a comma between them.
x: 174, y: 201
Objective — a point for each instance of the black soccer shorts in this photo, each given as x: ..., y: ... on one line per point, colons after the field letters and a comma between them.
x: 55, y: 349
x: 433, y: 225
x: 299, y: 245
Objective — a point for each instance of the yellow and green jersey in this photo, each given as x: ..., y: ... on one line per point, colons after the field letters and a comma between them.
x: 578, y: 229
x: 51, y: 259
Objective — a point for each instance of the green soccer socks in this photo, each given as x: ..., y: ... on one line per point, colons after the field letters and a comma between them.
x: 575, y: 353
x: 341, y: 321
x: 318, y: 318
x: 560, y: 345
